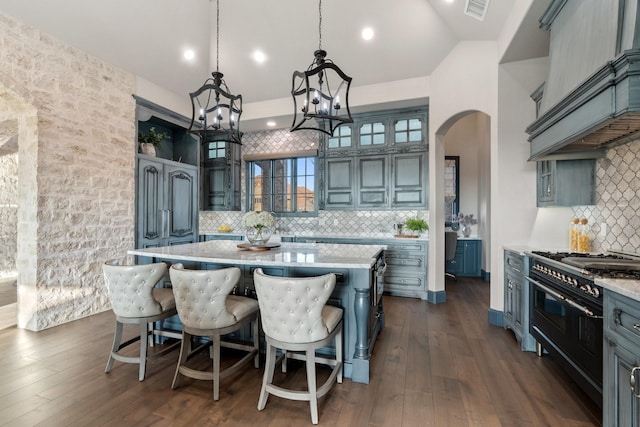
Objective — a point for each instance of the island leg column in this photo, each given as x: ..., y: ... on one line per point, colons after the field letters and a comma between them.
x: 360, y: 362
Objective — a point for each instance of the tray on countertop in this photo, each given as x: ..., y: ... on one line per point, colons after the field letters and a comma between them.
x: 405, y: 236
x: 265, y: 247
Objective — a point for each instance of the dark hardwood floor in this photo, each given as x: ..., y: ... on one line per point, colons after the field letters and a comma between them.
x: 433, y: 365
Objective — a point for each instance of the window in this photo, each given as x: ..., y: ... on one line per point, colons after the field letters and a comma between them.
x: 341, y: 137
x: 283, y: 186
x: 372, y: 134
x: 408, y: 130
x: 451, y: 188
x: 215, y: 150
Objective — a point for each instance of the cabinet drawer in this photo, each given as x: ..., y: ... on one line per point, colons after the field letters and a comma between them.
x: 405, y: 247
x: 413, y: 261
x: 514, y: 263
x: 403, y: 281
x: 622, y: 316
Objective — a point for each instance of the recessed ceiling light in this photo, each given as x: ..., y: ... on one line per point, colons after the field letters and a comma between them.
x: 271, y: 123
x: 259, y: 56
x: 367, y: 33
x: 449, y: 1
x: 189, y: 54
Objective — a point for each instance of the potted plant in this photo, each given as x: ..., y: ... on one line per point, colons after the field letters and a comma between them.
x: 150, y: 140
x: 416, y: 225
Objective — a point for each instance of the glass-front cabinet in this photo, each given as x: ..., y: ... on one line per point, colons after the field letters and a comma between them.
x: 377, y: 162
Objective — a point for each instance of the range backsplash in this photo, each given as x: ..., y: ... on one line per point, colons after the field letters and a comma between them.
x: 617, y: 201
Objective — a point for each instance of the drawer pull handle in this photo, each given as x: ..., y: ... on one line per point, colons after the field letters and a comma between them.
x: 632, y: 381
x: 636, y: 326
x: 616, y: 316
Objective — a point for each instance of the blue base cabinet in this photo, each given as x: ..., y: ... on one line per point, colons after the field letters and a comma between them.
x: 621, y: 375
x: 468, y: 260
x: 516, y: 299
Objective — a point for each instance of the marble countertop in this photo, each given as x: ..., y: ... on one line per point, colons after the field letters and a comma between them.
x: 288, y: 254
x: 626, y: 287
x: 277, y: 237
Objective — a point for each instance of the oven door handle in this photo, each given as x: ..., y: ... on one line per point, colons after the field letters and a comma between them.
x: 561, y: 297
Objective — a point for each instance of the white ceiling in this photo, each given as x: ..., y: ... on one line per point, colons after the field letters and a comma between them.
x: 147, y: 37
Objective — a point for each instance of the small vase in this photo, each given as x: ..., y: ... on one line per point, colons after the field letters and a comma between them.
x: 148, y: 149
x: 258, y: 236
x: 466, y: 230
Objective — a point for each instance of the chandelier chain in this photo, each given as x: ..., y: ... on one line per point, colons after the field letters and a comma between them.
x: 320, y: 25
x: 217, y: 35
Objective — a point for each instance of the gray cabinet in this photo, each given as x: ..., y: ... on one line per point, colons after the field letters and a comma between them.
x: 166, y: 203
x: 373, y: 181
x: 221, y: 175
x: 565, y: 182
x: 339, y: 178
x: 406, y: 274
x: 621, y: 376
x: 380, y: 163
x: 468, y: 259
x: 516, y: 299
x: 408, y: 180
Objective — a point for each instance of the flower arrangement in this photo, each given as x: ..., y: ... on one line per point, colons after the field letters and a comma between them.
x: 255, y: 222
x: 258, y: 219
x: 465, y: 219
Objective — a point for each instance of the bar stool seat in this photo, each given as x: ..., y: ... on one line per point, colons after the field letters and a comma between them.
x: 135, y: 299
x: 206, y: 309
x: 295, y: 318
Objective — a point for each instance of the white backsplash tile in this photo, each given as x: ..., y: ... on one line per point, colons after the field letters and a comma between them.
x: 617, y: 201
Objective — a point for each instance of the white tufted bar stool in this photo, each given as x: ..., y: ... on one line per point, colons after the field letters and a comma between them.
x: 206, y: 309
x: 136, y: 300
x: 295, y: 318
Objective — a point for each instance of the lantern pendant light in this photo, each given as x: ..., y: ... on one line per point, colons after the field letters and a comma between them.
x: 215, y: 111
x: 321, y: 93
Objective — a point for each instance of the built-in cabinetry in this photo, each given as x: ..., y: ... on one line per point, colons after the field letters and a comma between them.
x: 621, y: 376
x: 378, y: 162
x: 516, y: 299
x: 220, y: 173
x: 468, y: 259
x: 167, y: 185
x: 565, y: 182
x: 406, y: 260
x: 167, y: 203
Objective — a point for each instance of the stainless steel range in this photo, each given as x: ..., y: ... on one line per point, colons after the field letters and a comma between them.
x: 566, y: 309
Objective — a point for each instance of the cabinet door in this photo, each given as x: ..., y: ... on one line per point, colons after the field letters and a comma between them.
x: 621, y: 407
x: 182, y: 204
x: 339, y: 183
x: 472, y: 258
x: 408, y: 180
x: 150, y: 209
x: 372, y: 181
x: 545, y: 180
x: 509, y: 302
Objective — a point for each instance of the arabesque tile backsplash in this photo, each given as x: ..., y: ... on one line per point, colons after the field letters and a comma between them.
x: 370, y: 223
x: 617, y: 201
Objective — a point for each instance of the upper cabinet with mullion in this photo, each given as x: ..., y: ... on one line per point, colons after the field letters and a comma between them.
x: 377, y: 162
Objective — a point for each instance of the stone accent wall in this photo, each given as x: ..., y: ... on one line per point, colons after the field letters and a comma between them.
x: 76, y: 172
x: 617, y: 201
x: 365, y: 223
x: 8, y: 214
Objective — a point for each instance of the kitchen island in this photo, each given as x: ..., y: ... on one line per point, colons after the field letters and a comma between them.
x: 359, y: 272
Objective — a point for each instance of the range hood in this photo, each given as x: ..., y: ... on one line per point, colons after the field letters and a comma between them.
x: 603, y: 110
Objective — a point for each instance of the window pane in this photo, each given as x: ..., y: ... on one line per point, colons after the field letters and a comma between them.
x: 282, y: 185
x: 365, y: 140
x: 378, y: 127
x: 415, y: 135
x: 401, y: 137
x: 415, y: 124
x: 366, y: 128
x: 378, y: 139
x: 401, y: 125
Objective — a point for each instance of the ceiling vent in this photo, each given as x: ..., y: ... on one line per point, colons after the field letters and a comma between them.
x: 476, y: 8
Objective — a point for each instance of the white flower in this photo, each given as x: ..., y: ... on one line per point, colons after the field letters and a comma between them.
x: 466, y: 219
x: 258, y: 219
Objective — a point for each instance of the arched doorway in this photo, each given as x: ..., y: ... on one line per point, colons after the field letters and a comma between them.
x: 466, y: 135
x: 18, y: 202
